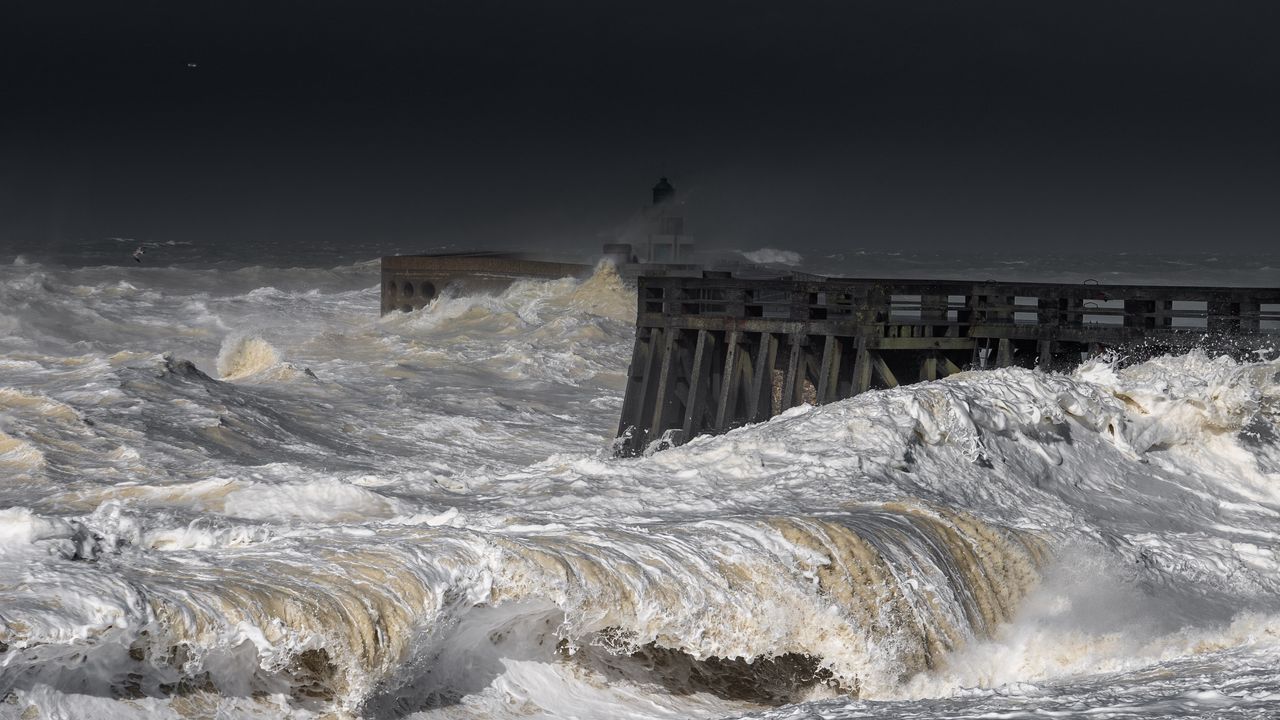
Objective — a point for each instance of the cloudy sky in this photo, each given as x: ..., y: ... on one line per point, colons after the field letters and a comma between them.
x: 1141, y: 126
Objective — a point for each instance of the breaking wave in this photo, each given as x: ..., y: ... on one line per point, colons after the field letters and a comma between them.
x: 865, y: 599
x: 245, y: 356
x: 431, y: 524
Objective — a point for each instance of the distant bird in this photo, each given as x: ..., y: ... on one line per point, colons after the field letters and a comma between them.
x: 137, y: 254
x: 191, y: 65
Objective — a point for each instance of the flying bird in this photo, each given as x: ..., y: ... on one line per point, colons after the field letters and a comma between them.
x: 141, y: 250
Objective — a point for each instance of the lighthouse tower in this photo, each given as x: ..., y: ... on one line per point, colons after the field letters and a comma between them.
x: 667, y: 242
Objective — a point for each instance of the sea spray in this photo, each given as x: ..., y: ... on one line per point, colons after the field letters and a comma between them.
x: 871, y: 597
x: 435, y: 528
x: 245, y: 355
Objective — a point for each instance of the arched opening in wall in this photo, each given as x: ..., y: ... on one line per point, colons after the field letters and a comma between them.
x: 408, y: 289
x: 428, y: 291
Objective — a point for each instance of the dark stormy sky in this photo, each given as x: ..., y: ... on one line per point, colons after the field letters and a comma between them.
x: 1142, y: 126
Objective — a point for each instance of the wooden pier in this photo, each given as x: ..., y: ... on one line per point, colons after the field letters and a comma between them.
x: 717, y: 352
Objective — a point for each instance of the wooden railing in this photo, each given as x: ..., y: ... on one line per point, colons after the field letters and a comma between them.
x: 959, y: 305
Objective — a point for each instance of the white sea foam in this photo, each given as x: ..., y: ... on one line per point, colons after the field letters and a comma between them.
x: 244, y: 356
x: 20, y: 527
x: 771, y: 256
x: 432, y: 526
x: 319, y: 501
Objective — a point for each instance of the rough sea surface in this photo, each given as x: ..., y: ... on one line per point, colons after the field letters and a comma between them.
x: 234, y: 491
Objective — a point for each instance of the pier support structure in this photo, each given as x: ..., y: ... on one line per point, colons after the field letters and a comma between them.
x: 717, y: 352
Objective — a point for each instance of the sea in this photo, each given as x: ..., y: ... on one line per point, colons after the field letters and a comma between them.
x: 229, y: 489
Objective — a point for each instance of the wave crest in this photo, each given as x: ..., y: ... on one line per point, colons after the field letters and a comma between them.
x: 245, y: 355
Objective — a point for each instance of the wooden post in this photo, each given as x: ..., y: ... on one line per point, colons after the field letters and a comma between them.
x: 746, y: 378
x: 810, y: 370
x: 699, y: 384
x: 882, y: 369
x: 829, y: 372
x: 933, y: 312
x: 648, y: 381
x: 1045, y: 355
x: 1048, y: 312
x: 948, y: 367
x: 632, y: 401
x: 665, y: 400
x: 965, y: 316
x: 928, y: 366
x: 715, y: 378
x: 727, y: 407
x: 794, y: 379
x: 762, y: 382
x: 861, y: 367
x: 1004, y: 356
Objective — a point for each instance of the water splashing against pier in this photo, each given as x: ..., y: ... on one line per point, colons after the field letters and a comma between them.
x: 237, y: 492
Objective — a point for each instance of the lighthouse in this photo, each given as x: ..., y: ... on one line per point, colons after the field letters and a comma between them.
x: 667, y: 243
x: 662, y: 192
x: 657, y: 243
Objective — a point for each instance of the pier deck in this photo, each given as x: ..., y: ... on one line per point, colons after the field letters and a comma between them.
x: 713, y: 353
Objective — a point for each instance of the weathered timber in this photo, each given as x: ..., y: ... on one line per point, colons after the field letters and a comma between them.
x: 715, y: 352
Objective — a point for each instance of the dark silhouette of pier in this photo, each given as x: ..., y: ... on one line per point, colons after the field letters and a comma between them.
x: 717, y: 352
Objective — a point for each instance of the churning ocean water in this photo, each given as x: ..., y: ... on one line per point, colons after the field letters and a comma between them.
x: 231, y: 491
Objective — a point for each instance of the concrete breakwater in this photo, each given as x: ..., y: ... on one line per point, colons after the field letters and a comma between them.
x: 410, y: 282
